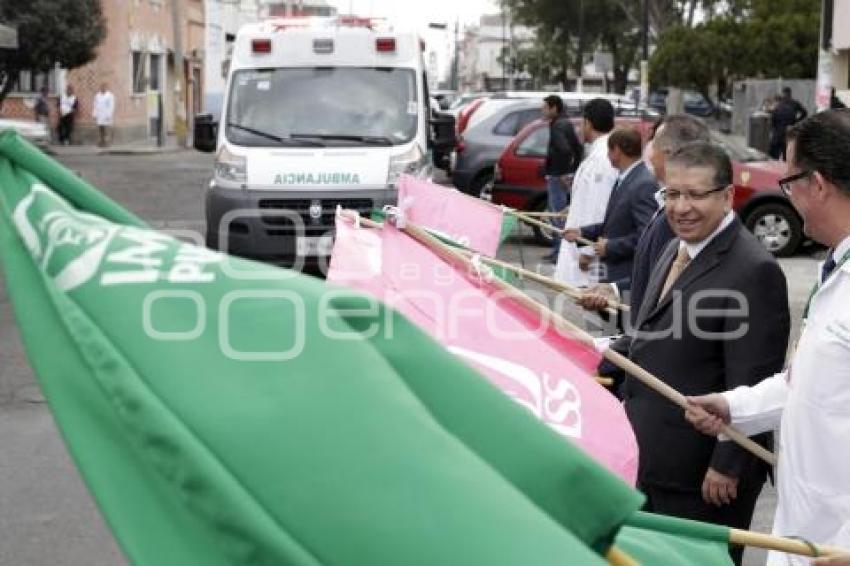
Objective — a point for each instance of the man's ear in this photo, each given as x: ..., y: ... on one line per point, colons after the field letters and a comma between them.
x: 820, y: 186
x: 730, y: 197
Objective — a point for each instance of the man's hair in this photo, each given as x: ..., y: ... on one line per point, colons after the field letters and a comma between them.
x: 600, y: 113
x: 679, y: 130
x: 822, y: 144
x: 554, y: 101
x: 705, y: 154
x: 786, y: 90
x: 626, y: 140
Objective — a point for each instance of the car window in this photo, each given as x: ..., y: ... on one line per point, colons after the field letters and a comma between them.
x: 507, y: 126
x: 535, y: 144
x: 691, y: 97
x: 526, y: 117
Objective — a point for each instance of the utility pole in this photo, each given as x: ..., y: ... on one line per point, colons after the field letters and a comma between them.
x: 180, y: 128
x: 504, y: 50
x: 644, y: 64
x: 456, y: 61
x: 580, y: 69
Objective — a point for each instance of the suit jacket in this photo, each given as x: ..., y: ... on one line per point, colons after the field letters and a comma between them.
x: 695, y: 361
x: 652, y: 243
x: 629, y: 210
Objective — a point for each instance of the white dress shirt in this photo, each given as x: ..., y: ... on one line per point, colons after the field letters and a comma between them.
x: 811, y: 401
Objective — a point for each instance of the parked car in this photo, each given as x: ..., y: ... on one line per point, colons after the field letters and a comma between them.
x: 482, y: 142
x: 694, y: 103
x: 518, y: 180
x: 486, y: 127
x: 763, y: 208
x: 35, y: 132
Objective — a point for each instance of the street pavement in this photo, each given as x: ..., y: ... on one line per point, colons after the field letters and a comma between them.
x: 46, y: 514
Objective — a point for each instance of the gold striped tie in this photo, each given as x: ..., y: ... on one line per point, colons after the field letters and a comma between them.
x: 679, y: 264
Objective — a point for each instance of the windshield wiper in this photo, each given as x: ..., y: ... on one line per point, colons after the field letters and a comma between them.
x: 281, y: 140
x: 369, y: 140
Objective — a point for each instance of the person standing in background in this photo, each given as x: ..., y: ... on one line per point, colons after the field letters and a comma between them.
x: 67, y: 114
x: 785, y: 113
x: 42, y: 108
x: 563, y: 155
x: 103, y: 113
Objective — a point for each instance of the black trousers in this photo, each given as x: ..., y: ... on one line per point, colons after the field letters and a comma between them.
x: 66, y: 128
x: 690, y: 505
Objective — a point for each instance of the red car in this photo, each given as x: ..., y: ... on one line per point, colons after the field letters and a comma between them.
x: 763, y: 208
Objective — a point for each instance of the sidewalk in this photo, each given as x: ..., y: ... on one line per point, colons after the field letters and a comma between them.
x: 141, y: 147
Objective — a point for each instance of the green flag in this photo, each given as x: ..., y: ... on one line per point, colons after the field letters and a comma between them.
x: 661, y: 540
x: 223, y: 411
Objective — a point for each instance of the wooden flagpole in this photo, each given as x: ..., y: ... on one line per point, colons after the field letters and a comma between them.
x: 546, y: 226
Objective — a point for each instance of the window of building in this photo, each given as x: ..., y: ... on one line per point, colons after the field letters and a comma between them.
x: 29, y: 82
x: 155, y: 80
x: 138, y: 70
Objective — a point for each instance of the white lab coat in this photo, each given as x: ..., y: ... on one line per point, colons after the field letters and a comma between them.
x: 812, y: 401
x: 589, y: 198
x: 104, y: 108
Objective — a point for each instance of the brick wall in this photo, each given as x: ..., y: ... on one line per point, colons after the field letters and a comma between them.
x: 143, y: 25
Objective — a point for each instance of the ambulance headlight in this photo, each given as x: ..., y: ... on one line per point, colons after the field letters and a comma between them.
x: 412, y: 162
x: 229, y: 166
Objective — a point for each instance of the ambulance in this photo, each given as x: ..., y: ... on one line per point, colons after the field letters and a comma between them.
x: 317, y: 113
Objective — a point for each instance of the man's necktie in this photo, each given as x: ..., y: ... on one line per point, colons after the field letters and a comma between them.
x: 828, y: 267
x: 679, y: 264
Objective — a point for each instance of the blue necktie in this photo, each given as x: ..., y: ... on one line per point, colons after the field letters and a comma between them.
x: 827, y: 268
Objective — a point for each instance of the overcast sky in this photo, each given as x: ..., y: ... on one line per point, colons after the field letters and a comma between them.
x: 418, y: 13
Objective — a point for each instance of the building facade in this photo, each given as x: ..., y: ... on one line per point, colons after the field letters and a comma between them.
x: 834, y: 54
x: 137, y: 62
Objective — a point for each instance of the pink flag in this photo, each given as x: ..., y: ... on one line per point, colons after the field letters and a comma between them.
x: 471, y: 222
x: 356, y: 257
x: 546, y: 372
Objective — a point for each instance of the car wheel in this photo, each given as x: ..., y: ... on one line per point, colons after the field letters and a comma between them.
x: 542, y: 237
x: 777, y: 226
x: 482, y: 180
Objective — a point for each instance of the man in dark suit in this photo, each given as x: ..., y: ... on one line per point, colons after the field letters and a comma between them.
x: 714, y: 316
x: 630, y: 207
x: 674, y: 131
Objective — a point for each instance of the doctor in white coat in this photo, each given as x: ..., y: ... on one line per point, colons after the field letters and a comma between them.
x: 811, y: 398
x: 103, y: 110
x: 590, y: 192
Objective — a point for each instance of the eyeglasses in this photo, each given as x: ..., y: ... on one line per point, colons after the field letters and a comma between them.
x: 786, y: 183
x: 672, y: 195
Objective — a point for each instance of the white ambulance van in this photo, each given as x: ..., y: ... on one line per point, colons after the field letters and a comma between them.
x: 318, y: 112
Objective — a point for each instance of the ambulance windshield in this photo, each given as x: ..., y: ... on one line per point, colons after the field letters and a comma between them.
x: 331, y: 106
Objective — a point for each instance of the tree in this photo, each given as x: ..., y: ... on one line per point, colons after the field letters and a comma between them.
x: 66, y: 32
x: 768, y: 38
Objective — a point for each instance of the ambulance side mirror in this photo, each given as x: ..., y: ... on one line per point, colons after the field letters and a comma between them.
x: 444, y: 138
x: 205, y: 133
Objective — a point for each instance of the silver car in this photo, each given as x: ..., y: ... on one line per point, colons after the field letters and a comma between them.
x: 483, y: 141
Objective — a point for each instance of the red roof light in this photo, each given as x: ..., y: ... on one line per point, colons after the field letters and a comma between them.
x: 385, y: 44
x: 261, y: 45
